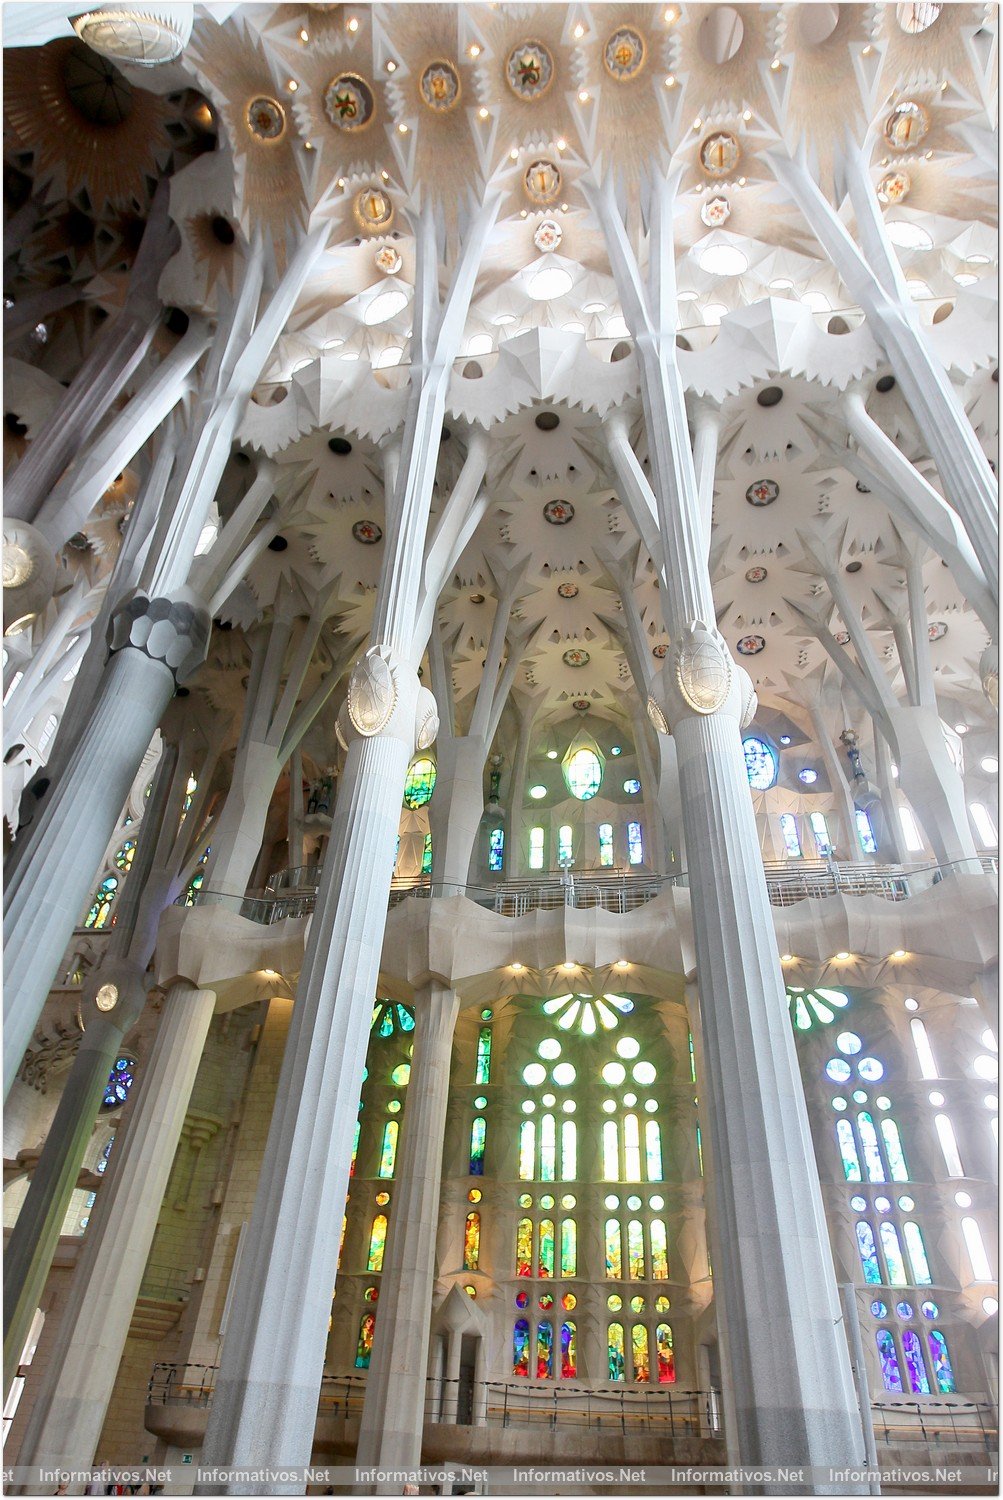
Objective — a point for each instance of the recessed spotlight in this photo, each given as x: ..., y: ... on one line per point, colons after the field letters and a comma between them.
x: 936, y: 1099
x: 578, y: 32
x: 990, y: 765
x: 911, y: 1004
x: 697, y: 123
x: 536, y: 792
x: 402, y: 128
x: 567, y: 966
x: 513, y: 154
x: 562, y: 144
x: 583, y: 96
x: 747, y: 115
x: 842, y: 957
x: 391, y: 66
x: 785, y: 739
x: 787, y: 958
x: 517, y: 968
x: 353, y: 23
x: 551, y: 754
x: 899, y: 953
x: 670, y: 81
x: 304, y: 36
x: 621, y: 963
x: 474, y: 50
x: 385, y: 176
x: 482, y: 113
x: 961, y: 728
x: 292, y: 85
x: 775, y: 65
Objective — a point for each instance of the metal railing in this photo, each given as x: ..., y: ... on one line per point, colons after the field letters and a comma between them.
x: 937, y: 1423
x: 292, y: 893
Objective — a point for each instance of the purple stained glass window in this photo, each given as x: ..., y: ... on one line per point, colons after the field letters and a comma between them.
x: 890, y: 1372
x: 914, y: 1363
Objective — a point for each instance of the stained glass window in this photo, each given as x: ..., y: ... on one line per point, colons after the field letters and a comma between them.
x: 589, y: 1012
x: 639, y: 1352
x: 631, y: 1149
x: 761, y: 764
x: 524, y: 1248
x: 377, y: 1243
x: 388, y: 1151
x: 472, y: 1242
x: 924, y: 1052
x: 976, y: 1247
x: 605, y: 844
x: 124, y: 856
x: 569, y: 1354
x: 426, y: 855
x: 893, y: 1254
x: 890, y: 1372
x: 478, y: 1136
x: 865, y: 832
x: 569, y: 1150
x: 420, y: 783
x: 893, y: 1151
x: 100, y: 908
x: 583, y: 774
x: 868, y: 1253
x: 496, y: 850
x: 401, y: 1075
x: 615, y: 1350
x: 527, y: 1151
x: 848, y: 1151
x: 389, y: 1016
x: 544, y: 1349
x: 666, y: 1356
x: 614, y: 1251
x: 659, y: 1251
x: 355, y: 1147
x: 915, y: 1363
x: 917, y: 1254
x: 548, y: 1148
x: 700, y: 1150
x: 632, y: 786
x: 820, y: 829
x: 943, y: 1371
x: 869, y: 1142
x: 949, y: 1145
x: 569, y: 1248
x: 565, y: 844
x: 482, y: 1070
x: 520, y: 1347
x: 116, y: 1090
x: 102, y: 1165
x: 546, y: 1261
x: 789, y: 830
x: 653, y: 1150
x: 610, y: 1151
x: 635, y: 844
x: 536, y: 848
x: 364, y: 1348
x: 635, y: 1250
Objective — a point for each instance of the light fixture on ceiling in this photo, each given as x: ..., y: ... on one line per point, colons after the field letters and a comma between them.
x: 550, y: 282
x: 723, y: 260
x: 385, y: 305
x: 990, y: 765
x: 145, y: 38
x: 537, y: 792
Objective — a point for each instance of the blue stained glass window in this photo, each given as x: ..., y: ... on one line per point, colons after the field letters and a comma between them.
x: 100, y: 908
x: 761, y: 765
x: 496, y: 850
x: 820, y: 829
x: 632, y: 786
x: 893, y: 1254
x: 420, y: 783
x: 520, y: 1347
x: 868, y: 1253
x: 426, y: 856
x: 943, y: 1371
x: 478, y: 1136
x: 119, y: 1083
x: 894, y: 1152
x: 605, y: 844
x: 869, y: 1141
x: 635, y: 844
x: 848, y: 1151
x: 102, y: 1165
x: 890, y: 1372
x: 124, y: 857
x: 914, y: 1363
x: 865, y: 833
x: 789, y: 829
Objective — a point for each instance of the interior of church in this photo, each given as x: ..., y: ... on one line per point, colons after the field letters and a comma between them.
x: 500, y: 713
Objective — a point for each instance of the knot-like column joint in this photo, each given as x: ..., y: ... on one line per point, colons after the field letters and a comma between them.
x: 173, y: 629
x: 386, y: 698
x: 700, y: 678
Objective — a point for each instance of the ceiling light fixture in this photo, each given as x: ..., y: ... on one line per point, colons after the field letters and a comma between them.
x: 353, y: 23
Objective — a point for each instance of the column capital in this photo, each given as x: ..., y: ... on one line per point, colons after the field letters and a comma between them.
x: 699, y: 678
x: 386, y: 698
x: 172, y: 629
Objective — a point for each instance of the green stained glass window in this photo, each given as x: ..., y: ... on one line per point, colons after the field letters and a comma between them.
x: 482, y: 1069
x: 520, y: 1347
x: 615, y: 1350
x: 527, y: 1151
x: 653, y: 1150
x: 610, y: 1152
x: 889, y: 1237
x: 377, y: 1243
x: 124, y: 856
x: 569, y: 1151
x: 420, y: 783
x: 635, y: 1250
x: 588, y: 1012
x: 364, y: 1348
x: 478, y: 1136
x: 472, y: 1242
x: 401, y: 1075
x: 548, y: 1148
x: 639, y: 1352
x: 569, y: 1248
x: 544, y: 1349
x: 388, y: 1151
x: 868, y: 1253
x: 583, y: 774
x: 524, y: 1248
x: 614, y: 1250
x: 693, y: 1061
x: 426, y: 855
x: 848, y: 1151
x: 355, y: 1147
x: 893, y: 1151
x: 100, y: 908
x: 666, y: 1357
x: 869, y: 1142
x: 546, y: 1261
x: 635, y: 844
x: 605, y: 844
x: 659, y: 1251
x: 700, y: 1150
x: 817, y: 1007
x: 496, y: 850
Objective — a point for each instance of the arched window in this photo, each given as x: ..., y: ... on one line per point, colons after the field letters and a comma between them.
x: 891, y: 1375
x: 124, y: 856
x: 546, y: 1243
x: 975, y: 1245
x: 527, y: 1151
x: 569, y: 1355
x: 924, y: 1052
x: 635, y: 1250
x: 614, y: 1250
x: 893, y: 1254
x: 536, y: 848
x: 868, y: 1253
x: 524, y: 1248
x: 420, y: 782
x: 893, y: 1151
x: 472, y: 1242
x: 635, y: 844
x: 426, y: 855
x: 848, y: 1151
x: 789, y: 830
x: 917, y: 1254
x: 388, y: 1151
x: 949, y: 1145
x: 377, y: 1243
x: 611, y: 1151
x: 653, y: 1150
x: 666, y: 1357
x: 865, y: 832
x: 100, y: 908
x: 615, y: 1351
x: 120, y: 1081
x: 639, y: 1352
x: 544, y: 1349
x: 914, y: 1363
x: 478, y: 1138
x: 565, y: 843
x: 605, y: 831
x: 869, y: 1141
x: 48, y: 730
x: 364, y: 1348
x: 569, y: 1151
x: 482, y: 1067
x: 659, y: 1251
x: 820, y: 831
x: 520, y: 1347
x: 943, y: 1371
x: 496, y: 850
x: 548, y: 1148
x: 569, y: 1248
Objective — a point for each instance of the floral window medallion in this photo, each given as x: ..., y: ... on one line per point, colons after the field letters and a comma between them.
x: 715, y: 212
x: 349, y: 102
x: 751, y: 645
x: 529, y: 71
x: 367, y: 532
x: 762, y: 492
x: 266, y: 119
x: 439, y: 87
x: 624, y: 53
x: 576, y: 657
x: 558, y: 512
x: 893, y: 187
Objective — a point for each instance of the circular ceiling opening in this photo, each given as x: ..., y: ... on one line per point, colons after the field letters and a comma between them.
x: 770, y: 395
x: 837, y: 325
x: 385, y: 305
x: 816, y: 23
x: 222, y: 230
x: 854, y: 567
x: 547, y: 420
x: 14, y: 425
x: 96, y: 89
x: 278, y: 544
x: 723, y: 260
x: 720, y: 35
x: 339, y: 445
x: 943, y: 312
x: 176, y: 321
x: 884, y: 383
x: 620, y: 351
x: 552, y: 281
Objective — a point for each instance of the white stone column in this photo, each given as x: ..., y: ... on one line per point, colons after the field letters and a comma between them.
x: 154, y: 643
x: 70, y: 1408
x: 789, y: 1368
x: 393, y: 1415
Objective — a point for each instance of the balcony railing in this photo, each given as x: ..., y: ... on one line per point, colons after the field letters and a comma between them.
x: 292, y: 893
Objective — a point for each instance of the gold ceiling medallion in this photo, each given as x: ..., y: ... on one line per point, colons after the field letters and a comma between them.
x: 542, y: 181
x: 894, y: 187
x: 439, y: 87
x: 906, y: 126
x: 266, y: 119
x: 349, y: 102
x: 720, y: 154
x: 529, y: 71
x: 373, y: 210
x: 624, y: 53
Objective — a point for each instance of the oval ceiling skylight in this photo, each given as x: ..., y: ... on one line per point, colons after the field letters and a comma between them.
x: 616, y: 328
x: 817, y: 301
x: 481, y: 343
x: 713, y: 313
x: 907, y: 235
x: 385, y: 305
x: 723, y: 260
x: 551, y: 281
x: 387, y: 358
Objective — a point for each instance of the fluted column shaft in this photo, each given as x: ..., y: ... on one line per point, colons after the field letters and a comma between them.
x: 393, y: 1415
x: 70, y: 1408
